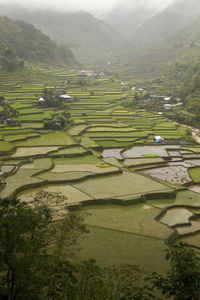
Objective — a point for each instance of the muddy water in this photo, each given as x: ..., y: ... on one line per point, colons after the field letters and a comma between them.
x: 113, y: 152
x: 174, y: 153
x: 140, y: 151
x: 194, y: 162
x: 181, y: 163
x: 173, y: 174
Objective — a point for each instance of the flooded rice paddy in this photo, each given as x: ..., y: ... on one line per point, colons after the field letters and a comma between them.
x: 139, y: 151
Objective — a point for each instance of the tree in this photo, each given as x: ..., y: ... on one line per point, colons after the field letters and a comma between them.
x: 35, y: 251
x: 91, y: 283
x: 183, y: 279
x: 23, y: 241
x: 128, y: 282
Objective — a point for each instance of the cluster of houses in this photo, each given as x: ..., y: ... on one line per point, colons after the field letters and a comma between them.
x: 166, y: 102
x: 134, y: 88
x: 90, y: 73
x: 66, y: 97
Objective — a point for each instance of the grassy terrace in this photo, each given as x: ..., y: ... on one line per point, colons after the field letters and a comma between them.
x: 70, y: 161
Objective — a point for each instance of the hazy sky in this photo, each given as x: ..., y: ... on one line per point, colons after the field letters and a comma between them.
x: 94, y: 6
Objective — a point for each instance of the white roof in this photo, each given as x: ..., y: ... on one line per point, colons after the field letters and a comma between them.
x: 158, y: 137
x: 41, y: 99
x: 65, y: 96
x: 86, y: 71
x: 167, y: 98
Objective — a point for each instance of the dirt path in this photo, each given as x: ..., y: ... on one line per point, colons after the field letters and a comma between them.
x: 195, y: 133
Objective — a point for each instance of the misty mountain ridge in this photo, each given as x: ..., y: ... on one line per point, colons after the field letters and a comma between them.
x: 31, y: 44
x: 127, y: 21
x: 141, y: 29
x: 167, y: 23
x: 189, y: 36
x: 91, y: 39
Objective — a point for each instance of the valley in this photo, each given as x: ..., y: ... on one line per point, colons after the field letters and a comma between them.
x: 100, y: 150
x: 105, y: 161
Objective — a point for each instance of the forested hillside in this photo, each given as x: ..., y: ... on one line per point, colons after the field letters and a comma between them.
x: 89, y: 38
x: 190, y: 35
x: 165, y: 24
x: 31, y: 44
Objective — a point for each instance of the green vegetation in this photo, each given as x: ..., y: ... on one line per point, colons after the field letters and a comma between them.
x: 181, y: 282
x: 22, y: 152
x: 17, y: 181
x: 6, y: 146
x: 69, y: 161
x: 96, y: 150
x: 42, y: 250
x: 71, y: 193
x: 129, y: 248
x: 9, y: 60
x: 122, y: 185
x: 138, y: 219
x: 195, y: 174
x: 57, y: 138
x: 29, y: 44
x: 183, y: 198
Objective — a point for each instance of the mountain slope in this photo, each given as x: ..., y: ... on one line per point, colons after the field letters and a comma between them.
x: 168, y: 22
x: 127, y: 21
x: 190, y: 35
x: 89, y: 37
x: 31, y: 44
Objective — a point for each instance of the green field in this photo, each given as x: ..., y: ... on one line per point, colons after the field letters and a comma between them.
x: 195, y: 174
x: 70, y: 161
x: 120, y: 186
x: 110, y: 247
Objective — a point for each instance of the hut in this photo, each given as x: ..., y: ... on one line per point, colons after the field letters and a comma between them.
x: 158, y: 139
x: 66, y: 97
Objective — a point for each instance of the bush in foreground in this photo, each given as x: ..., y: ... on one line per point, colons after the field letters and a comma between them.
x: 37, y: 261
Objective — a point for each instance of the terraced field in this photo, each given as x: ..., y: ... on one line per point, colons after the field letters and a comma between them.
x: 105, y: 162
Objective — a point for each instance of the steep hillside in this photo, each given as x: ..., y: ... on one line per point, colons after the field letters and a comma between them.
x: 173, y: 54
x: 167, y: 23
x: 31, y: 44
x: 90, y: 38
x: 188, y: 36
x: 127, y: 21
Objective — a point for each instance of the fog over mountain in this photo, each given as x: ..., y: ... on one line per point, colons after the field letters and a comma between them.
x: 167, y: 22
x: 93, y: 6
x: 100, y: 30
x: 90, y: 38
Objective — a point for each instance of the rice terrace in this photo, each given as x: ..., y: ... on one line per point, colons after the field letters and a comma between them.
x: 135, y: 193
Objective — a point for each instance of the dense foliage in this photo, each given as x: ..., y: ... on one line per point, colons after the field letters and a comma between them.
x: 90, y: 38
x: 37, y: 261
x: 8, y: 59
x: 31, y: 44
x: 183, y: 280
